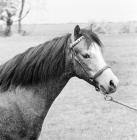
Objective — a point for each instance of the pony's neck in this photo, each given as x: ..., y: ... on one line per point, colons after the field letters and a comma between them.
x: 56, y: 85
x: 50, y: 90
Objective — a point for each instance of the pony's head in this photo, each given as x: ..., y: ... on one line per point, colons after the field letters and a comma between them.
x: 88, y: 62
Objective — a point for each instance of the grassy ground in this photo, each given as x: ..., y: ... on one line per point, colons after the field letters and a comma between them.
x: 81, y: 113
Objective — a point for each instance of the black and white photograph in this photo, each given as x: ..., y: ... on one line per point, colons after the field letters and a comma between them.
x: 68, y: 69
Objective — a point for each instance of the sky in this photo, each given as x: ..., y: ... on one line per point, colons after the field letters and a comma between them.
x: 84, y: 11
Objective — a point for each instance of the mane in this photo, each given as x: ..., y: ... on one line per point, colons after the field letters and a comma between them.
x: 91, y: 37
x: 45, y: 61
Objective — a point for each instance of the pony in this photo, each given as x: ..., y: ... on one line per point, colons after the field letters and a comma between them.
x: 32, y: 80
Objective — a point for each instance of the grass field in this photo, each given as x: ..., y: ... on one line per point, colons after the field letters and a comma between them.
x: 81, y: 113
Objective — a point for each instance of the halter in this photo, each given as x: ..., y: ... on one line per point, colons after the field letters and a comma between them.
x: 92, y: 78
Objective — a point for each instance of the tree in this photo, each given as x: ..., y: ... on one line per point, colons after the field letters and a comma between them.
x: 7, y: 11
x: 31, y: 4
x: 20, y: 16
x: 124, y: 29
x: 10, y: 8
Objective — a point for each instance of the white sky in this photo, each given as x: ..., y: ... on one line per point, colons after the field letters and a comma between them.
x: 64, y: 11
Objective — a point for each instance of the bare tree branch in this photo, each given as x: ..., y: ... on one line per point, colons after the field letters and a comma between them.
x: 25, y: 14
x: 20, y: 15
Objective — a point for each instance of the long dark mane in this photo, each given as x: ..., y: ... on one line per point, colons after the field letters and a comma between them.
x: 35, y: 65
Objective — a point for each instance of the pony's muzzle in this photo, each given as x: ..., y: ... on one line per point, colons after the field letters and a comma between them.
x: 112, y: 86
x: 108, y: 82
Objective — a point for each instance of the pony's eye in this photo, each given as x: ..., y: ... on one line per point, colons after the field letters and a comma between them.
x: 86, y: 56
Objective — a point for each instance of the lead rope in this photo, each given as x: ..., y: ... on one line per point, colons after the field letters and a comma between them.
x: 109, y: 98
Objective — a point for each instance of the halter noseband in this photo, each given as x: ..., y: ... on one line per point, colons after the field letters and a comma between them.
x: 92, y: 79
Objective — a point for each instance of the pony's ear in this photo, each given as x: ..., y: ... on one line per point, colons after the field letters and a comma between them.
x: 77, y: 32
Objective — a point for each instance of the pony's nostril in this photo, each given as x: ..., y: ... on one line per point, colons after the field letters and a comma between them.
x: 111, y: 83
